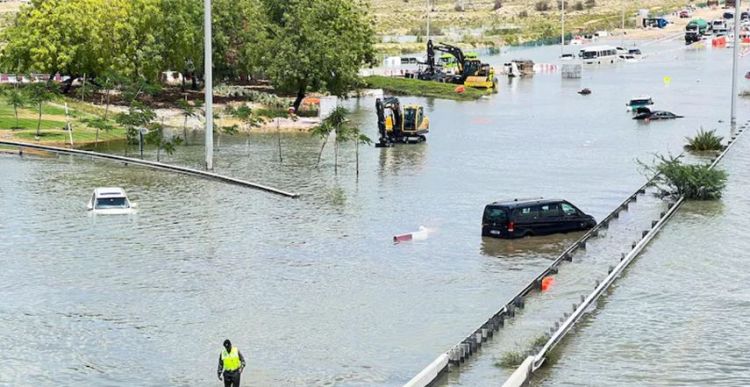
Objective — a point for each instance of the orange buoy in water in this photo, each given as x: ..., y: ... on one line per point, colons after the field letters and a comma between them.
x: 547, y: 283
x: 460, y: 89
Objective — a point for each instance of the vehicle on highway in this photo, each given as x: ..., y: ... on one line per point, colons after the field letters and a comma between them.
x: 519, y: 218
x: 110, y: 201
x: 647, y: 114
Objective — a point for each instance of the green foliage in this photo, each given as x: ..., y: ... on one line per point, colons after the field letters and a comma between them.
x: 297, y: 44
x: 317, y: 44
x: 704, y: 141
x: 157, y: 138
x: 404, y: 86
x: 511, y: 359
x: 138, y: 116
x: 696, y: 182
x: 15, y: 98
x: 38, y: 94
x: 99, y: 124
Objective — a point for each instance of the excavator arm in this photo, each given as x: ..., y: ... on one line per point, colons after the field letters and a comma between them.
x: 394, y: 105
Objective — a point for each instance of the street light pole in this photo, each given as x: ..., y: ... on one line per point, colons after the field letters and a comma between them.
x: 562, y: 27
x: 428, y: 19
x: 735, y: 54
x: 208, y: 80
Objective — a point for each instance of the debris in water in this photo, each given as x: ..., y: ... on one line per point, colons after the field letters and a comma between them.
x: 419, y: 235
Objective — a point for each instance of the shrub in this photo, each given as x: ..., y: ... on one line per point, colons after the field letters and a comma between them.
x: 541, y: 6
x: 523, y: 14
x: 511, y: 359
x: 694, y: 181
x: 704, y: 141
x: 590, y: 3
x: 578, y: 6
x: 498, y: 4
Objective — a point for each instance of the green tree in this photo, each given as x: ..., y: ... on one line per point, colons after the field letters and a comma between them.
x: 157, y: 138
x: 138, y: 116
x: 317, y: 45
x: 322, y: 131
x: 345, y: 132
x: 99, y: 124
x: 15, y: 98
x: 38, y: 95
x: 188, y: 111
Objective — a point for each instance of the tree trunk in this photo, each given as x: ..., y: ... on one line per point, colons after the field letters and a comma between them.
x: 83, y: 89
x: 184, y: 130
x: 336, y: 157
x: 194, y: 81
x: 15, y: 109
x: 158, y: 152
x: 356, y: 152
x: 278, y: 134
x: 39, y: 122
x: 300, y: 97
x: 106, y: 108
x: 97, y: 137
x: 320, y: 154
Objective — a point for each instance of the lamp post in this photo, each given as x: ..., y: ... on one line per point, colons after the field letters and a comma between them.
x: 208, y: 80
x: 735, y: 53
x: 562, y: 27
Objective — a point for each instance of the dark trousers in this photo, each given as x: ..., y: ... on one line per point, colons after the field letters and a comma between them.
x: 232, y: 378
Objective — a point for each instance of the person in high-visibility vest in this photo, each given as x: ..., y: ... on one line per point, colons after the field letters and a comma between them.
x: 231, y: 364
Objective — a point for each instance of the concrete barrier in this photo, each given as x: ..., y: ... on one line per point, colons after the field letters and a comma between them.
x: 523, y: 373
x: 520, y: 377
x: 430, y: 373
x: 154, y: 165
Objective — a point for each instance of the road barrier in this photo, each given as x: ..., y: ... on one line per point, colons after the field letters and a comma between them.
x: 467, y: 347
x: 464, y: 349
x: 532, y: 363
x: 154, y: 165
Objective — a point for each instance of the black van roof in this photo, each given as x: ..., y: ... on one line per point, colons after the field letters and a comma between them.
x: 514, y: 203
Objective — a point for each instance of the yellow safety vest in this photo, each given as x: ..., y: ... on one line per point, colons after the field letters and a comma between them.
x: 231, y: 360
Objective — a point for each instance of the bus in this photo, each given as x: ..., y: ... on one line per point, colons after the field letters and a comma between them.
x: 598, y: 54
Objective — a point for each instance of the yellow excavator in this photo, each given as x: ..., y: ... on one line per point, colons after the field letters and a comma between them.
x: 469, y: 71
x: 407, y: 125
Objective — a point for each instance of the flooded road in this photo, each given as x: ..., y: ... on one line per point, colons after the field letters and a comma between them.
x: 312, y: 290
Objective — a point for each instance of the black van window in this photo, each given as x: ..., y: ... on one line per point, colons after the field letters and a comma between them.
x: 568, y: 209
x: 528, y: 212
x: 551, y: 210
x: 495, y: 214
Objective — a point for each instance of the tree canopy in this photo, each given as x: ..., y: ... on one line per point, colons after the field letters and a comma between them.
x: 299, y: 45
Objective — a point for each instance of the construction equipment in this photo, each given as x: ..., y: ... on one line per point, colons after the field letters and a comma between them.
x: 470, y: 72
x: 407, y: 125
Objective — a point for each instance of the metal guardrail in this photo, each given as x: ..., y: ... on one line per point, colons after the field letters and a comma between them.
x: 155, y: 165
x: 469, y: 345
x: 532, y: 363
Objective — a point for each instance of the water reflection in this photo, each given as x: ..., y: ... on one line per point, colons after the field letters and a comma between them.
x: 402, y: 157
x: 546, y: 246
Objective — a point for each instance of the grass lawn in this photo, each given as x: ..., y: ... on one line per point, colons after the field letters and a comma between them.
x: 53, y: 122
x: 404, y: 86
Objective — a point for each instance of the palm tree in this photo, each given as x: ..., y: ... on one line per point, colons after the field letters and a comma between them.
x: 188, y: 111
x: 360, y: 138
x: 15, y: 98
x: 324, y: 132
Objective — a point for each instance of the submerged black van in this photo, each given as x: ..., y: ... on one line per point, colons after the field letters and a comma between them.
x: 526, y: 217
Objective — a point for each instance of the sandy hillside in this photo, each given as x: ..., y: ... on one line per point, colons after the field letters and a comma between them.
x: 407, y: 16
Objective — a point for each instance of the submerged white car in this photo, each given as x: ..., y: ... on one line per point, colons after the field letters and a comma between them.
x: 110, y: 200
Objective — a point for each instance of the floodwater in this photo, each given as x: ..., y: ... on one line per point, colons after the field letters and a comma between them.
x: 312, y: 290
